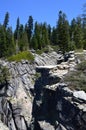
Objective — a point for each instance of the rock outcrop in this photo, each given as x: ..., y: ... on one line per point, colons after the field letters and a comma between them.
x: 55, y: 105
x: 34, y: 102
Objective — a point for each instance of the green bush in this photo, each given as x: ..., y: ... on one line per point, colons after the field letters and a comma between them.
x: 77, y: 79
x: 81, y: 66
x: 39, y: 52
x: 26, y: 55
x: 71, y: 46
x: 4, y: 75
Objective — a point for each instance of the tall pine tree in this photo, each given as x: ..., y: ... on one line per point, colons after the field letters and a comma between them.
x: 6, y: 20
x: 29, y: 29
x: 63, y: 32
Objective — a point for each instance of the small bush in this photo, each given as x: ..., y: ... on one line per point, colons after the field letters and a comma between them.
x: 26, y: 55
x: 77, y: 79
x: 81, y: 66
x: 55, y: 48
x: 4, y: 75
x: 39, y: 52
x: 37, y: 75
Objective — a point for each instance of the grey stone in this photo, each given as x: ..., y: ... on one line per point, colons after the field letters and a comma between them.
x: 45, y: 125
x: 3, y: 126
x: 84, y: 117
x: 61, y: 127
x: 80, y: 95
x: 47, y: 101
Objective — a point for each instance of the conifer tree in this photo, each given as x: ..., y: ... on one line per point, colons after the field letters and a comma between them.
x: 49, y: 33
x: 84, y: 25
x: 10, y: 46
x: 2, y: 41
x: 23, y: 42
x: 16, y: 34
x: 72, y: 29
x: 78, y: 36
x: 29, y: 28
x: 6, y: 20
x: 44, y: 37
x: 54, y: 36
x: 34, y: 42
x: 38, y: 35
x: 63, y: 32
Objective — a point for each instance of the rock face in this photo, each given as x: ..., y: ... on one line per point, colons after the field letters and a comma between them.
x: 30, y: 102
x: 56, y: 105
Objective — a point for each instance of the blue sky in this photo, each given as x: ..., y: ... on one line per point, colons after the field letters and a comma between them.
x: 41, y: 10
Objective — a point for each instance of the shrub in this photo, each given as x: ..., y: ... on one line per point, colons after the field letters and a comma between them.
x: 81, y: 66
x: 26, y: 55
x: 4, y: 75
x: 77, y: 79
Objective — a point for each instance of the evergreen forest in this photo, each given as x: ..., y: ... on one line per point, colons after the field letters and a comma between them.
x: 36, y: 36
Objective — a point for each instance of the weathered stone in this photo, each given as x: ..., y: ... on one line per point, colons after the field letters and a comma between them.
x: 3, y: 126
x: 61, y: 127
x: 80, y: 95
x: 50, y: 103
x: 84, y: 117
x: 45, y: 125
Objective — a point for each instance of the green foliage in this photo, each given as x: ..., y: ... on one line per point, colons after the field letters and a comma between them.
x: 30, y: 28
x: 16, y: 32
x: 39, y: 35
x: 4, y: 75
x: 26, y: 55
x: 34, y: 43
x: 76, y: 32
x: 23, y: 42
x: 71, y: 46
x: 40, y: 38
x: 44, y: 50
x: 63, y: 32
x: 37, y: 75
x: 82, y: 66
x: 55, y: 48
x: 10, y: 45
x: 2, y: 41
x: 39, y: 52
x: 84, y: 44
x: 77, y: 79
x: 6, y: 20
x: 54, y: 39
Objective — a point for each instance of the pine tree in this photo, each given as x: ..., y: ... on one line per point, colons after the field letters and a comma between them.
x: 38, y: 35
x: 84, y: 25
x: 54, y: 36
x: 10, y: 46
x: 34, y: 42
x: 23, y: 42
x: 84, y: 16
x: 16, y: 34
x: 49, y: 33
x: 2, y: 41
x: 29, y: 28
x: 44, y: 37
x: 72, y: 29
x: 63, y: 32
x: 6, y: 20
x: 78, y: 36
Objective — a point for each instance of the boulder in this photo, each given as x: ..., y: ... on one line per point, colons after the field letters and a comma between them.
x: 80, y: 95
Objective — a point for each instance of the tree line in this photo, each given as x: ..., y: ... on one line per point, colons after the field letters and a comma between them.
x: 34, y: 35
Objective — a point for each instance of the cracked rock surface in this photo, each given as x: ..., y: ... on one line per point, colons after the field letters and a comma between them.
x: 40, y: 102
